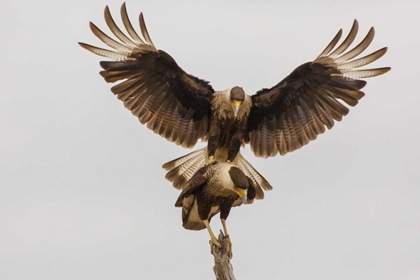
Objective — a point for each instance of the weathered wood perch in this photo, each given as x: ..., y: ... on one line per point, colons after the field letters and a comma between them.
x: 222, y: 267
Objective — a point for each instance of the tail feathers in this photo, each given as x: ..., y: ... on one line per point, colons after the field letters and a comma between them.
x: 182, y: 169
x: 179, y: 161
x: 190, y: 218
x: 259, y: 181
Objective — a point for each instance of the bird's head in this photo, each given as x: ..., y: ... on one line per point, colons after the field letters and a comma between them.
x: 242, y: 193
x: 240, y: 183
x: 237, y: 97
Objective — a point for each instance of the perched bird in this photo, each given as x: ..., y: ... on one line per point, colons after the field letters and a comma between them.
x: 183, y: 108
x: 214, y: 188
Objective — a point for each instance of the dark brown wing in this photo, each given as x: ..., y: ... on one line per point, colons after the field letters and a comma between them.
x: 195, y: 183
x: 155, y: 89
x: 186, y: 200
x: 292, y: 113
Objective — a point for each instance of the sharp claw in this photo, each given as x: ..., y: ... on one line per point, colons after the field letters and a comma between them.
x: 230, y: 253
x: 210, y: 160
x: 214, y: 242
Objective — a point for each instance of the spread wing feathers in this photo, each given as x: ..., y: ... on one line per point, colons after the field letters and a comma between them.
x: 154, y: 88
x: 292, y: 113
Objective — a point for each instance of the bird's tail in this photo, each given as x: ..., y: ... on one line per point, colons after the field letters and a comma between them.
x: 180, y: 170
x: 190, y: 218
x: 259, y: 181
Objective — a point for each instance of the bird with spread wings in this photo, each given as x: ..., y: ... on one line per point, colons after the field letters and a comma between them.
x: 183, y: 108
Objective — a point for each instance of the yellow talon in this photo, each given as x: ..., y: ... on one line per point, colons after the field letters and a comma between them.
x: 213, y: 241
x: 210, y: 160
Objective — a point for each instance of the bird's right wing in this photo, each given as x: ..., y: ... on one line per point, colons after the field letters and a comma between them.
x: 154, y: 88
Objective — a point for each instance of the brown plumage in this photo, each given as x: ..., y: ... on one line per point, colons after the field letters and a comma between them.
x: 214, y: 188
x: 184, y: 109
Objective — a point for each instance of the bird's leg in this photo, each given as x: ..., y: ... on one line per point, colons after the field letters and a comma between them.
x: 210, y: 160
x: 224, y: 227
x: 211, y: 147
x: 213, y: 239
x: 227, y: 236
x: 234, y: 147
x: 225, y: 208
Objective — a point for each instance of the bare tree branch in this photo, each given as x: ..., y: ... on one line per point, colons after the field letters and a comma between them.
x: 222, y: 267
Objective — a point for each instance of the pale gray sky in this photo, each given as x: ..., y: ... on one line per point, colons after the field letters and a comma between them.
x: 82, y: 192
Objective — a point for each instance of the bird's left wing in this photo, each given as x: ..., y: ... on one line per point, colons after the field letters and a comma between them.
x: 292, y: 113
x: 195, y: 183
x: 187, y: 200
x: 155, y: 89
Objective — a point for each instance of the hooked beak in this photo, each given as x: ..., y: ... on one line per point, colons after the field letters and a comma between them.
x: 236, y: 105
x: 242, y: 193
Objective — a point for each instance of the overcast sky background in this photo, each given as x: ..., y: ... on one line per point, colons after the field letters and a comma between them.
x: 82, y: 192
